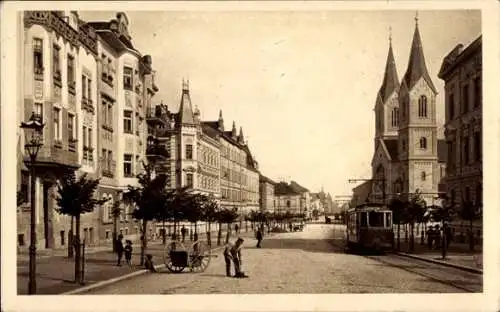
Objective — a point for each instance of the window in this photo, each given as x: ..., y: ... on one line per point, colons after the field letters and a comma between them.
x: 376, y: 219
x: 466, y: 150
x: 104, y: 160
x: 56, y: 63
x: 450, y: 155
x: 395, y: 117
x: 71, y: 68
x: 422, y: 106
x: 57, y: 124
x: 465, y: 98
x: 403, y: 145
x: 477, y: 146
x: 423, y: 143
x: 189, y: 151
x: 451, y: 106
x: 127, y: 165
x: 422, y: 175
x: 62, y: 235
x: 84, y: 87
x: 127, y: 121
x: 38, y: 56
x: 39, y: 110
x: 110, y: 160
x: 137, y: 127
x: 127, y: 78
x: 25, y: 180
x: 89, y: 89
x: 189, y: 180
x: 477, y: 92
x: 90, y: 138
x: 71, y: 126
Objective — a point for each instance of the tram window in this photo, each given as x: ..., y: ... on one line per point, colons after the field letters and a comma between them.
x: 364, y: 221
x: 388, y: 221
x: 376, y: 218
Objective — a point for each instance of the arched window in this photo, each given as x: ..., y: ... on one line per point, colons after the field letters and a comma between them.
x: 422, y: 175
x: 395, y: 117
x: 423, y: 143
x: 422, y: 106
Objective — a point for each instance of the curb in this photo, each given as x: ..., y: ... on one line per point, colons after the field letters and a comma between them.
x: 453, y: 265
x: 114, y: 280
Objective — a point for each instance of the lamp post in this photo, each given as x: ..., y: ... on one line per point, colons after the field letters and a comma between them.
x: 33, y: 131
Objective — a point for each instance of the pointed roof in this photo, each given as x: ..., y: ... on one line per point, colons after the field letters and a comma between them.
x: 390, y: 83
x: 416, y: 65
x: 240, y: 136
x: 186, y: 115
x: 233, y: 130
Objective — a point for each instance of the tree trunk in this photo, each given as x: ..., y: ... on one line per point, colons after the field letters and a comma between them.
x: 195, y: 236
x: 412, y: 236
x: 164, y: 238
x: 71, y: 238
x: 77, y: 255
x: 209, y: 239
x: 471, y: 236
x: 174, y: 234
x: 144, y: 242
x: 228, y: 234
x: 115, y: 230
x: 219, y: 234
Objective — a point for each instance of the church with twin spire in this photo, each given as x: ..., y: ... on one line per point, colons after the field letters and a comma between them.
x: 408, y: 156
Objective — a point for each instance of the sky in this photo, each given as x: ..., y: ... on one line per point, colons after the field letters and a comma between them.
x: 301, y: 84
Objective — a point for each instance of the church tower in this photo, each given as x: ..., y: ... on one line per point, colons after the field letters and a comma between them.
x: 386, y: 104
x: 417, y: 141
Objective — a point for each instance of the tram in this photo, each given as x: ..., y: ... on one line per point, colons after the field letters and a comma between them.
x: 369, y: 228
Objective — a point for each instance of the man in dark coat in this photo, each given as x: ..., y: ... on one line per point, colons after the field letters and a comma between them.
x: 119, y: 249
x: 258, y: 236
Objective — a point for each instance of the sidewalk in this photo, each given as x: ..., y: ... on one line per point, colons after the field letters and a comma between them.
x: 55, y: 272
x: 457, y: 254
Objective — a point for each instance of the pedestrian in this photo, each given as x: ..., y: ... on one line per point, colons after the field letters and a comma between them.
x: 437, y: 237
x: 258, y: 236
x: 119, y: 249
x: 183, y: 233
x: 128, y: 252
x: 449, y: 236
x: 430, y: 237
x: 236, y: 228
x: 232, y: 253
x: 148, y: 264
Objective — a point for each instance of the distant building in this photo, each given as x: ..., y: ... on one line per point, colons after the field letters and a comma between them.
x: 292, y: 198
x: 316, y: 204
x: 266, y: 191
x: 462, y: 73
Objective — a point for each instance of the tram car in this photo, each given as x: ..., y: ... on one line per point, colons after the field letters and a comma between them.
x: 369, y: 228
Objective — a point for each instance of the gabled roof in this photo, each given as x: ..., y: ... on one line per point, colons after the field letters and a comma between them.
x: 392, y: 148
x: 263, y: 178
x: 390, y: 83
x: 416, y: 65
x: 298, y: 188
x: 282, y: 188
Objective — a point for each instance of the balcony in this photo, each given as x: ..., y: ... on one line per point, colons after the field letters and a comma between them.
x: 57, y: 78
x: 72, y: 87
x: 157, y: 151
x: 38, y: 73
x: 109, y: 169
x: 72, y: 145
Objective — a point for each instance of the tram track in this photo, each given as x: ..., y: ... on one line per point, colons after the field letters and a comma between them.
x: 459, y: 279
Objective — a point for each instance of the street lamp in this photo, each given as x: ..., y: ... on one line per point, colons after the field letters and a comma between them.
x: 33, y: 131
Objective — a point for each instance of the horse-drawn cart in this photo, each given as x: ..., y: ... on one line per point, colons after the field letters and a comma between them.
x: 197, y: 256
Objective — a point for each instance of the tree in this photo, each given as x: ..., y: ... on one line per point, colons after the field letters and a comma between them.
x: 210, y: 209
x: 470, y: 211
x: 415, y: 211
x: 76, y: 197
x: 115, y: 213
x: 194, y: 210
x: 397, y: 206
x: 227, y: 216
x: 444, y: 214
x: 148, y: 200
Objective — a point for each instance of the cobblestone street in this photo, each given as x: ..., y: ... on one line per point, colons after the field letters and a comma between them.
x: 306, y: 262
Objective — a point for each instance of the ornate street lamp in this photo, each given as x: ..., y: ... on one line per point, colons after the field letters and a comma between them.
x: 33, y: 131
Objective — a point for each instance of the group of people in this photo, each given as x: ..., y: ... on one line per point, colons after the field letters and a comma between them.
x: 435, y: 235
x: 123, y: 249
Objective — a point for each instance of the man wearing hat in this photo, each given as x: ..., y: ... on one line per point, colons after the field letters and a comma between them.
x: 233, y: 252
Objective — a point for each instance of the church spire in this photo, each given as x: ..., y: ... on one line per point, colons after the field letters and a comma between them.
x: 233, y: 130
x: 416, y: 65
x: 391, y: 81
x: 241, y: 138
x: 186, y: 115
x: 221, y: 121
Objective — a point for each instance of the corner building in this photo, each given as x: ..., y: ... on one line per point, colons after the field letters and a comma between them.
x: 57, y: 84
x: 461, y: 71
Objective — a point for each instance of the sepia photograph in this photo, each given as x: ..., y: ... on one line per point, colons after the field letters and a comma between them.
x: 247, y: 151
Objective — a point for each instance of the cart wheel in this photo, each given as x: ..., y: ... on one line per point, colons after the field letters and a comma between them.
x: 199, y: 256
x: 173, y: 246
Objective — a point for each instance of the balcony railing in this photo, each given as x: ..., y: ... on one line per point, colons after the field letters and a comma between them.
x: 156, y: 150
x: 72, y: 145
x: 72, y: 87
x: 57, y: 78
x: 38, y: 73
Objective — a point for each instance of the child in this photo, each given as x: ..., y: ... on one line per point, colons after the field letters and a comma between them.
x: 148, y: 264
x: 128, y: 252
